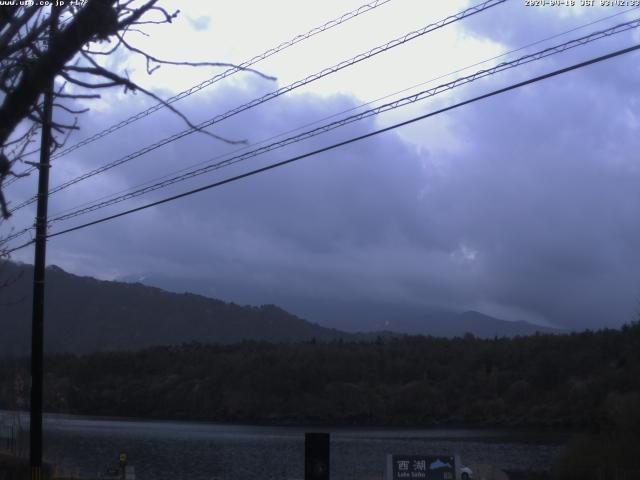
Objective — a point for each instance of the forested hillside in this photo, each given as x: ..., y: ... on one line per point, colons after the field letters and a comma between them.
x: 84, y: 315
x: 551, y: 380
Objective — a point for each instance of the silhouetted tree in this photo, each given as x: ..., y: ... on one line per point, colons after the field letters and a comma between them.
x: 86, y: 33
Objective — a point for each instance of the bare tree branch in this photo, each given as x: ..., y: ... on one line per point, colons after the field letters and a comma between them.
x: 31, y: 57
x: 189, y: 64
x: 91, y: 22
x: 71, y: 110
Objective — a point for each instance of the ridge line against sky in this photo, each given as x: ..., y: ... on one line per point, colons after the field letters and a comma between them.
x: 522, y: 209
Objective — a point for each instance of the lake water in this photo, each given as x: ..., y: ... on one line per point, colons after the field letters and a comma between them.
x: 202, y: 451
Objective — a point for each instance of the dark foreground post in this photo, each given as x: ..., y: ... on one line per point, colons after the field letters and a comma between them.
x: 37, y: 322
x: 316, y: 456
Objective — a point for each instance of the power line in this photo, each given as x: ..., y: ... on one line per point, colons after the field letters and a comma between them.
x: 371, y: 102
x: 333, y: 125
x: 398, y: 103
x: 346, y: 142
x: 579, y: 27
x: 276, y: 93
x: 19, y: 247
x: 227, y: 73
x: 24, y: 173
x: 15, y: 235
x: 242, y: 66
x: 357, y: 117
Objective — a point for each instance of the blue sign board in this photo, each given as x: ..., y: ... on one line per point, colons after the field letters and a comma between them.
x: 422, y: 467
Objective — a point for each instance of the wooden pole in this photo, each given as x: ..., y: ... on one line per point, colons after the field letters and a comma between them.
x: 37, y: 320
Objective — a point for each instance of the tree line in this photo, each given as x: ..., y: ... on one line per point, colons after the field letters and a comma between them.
x: 542, y: 380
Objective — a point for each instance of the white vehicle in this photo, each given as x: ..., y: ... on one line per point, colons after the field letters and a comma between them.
x: 466, y: 473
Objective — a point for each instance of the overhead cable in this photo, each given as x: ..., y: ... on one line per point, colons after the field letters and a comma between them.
x: 343, y: 112
x: 537, y: 42
x: 227, y: 73
x: 343, y: 143
x: 359, y: 116
x: 276, y: 93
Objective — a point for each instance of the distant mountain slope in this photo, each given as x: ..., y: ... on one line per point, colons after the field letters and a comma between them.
x: 452, y: 324
x: 351, y: 315
x: 86, y: 315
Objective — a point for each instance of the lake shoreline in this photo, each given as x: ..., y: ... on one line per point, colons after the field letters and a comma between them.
x: 165, y: 450
x: 545, y: 431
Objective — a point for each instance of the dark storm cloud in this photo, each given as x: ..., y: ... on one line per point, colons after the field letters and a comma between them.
x: 547, y: 193
x: 343, y: 221
x: 531, y: 214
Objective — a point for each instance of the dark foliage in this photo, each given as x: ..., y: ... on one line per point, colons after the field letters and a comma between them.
x: 13, y: 468
x: 580, y: 381
x: 613, y: 450
x: 86, y: 315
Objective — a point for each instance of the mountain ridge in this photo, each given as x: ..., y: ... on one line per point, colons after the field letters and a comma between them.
x: 132, y: 316
x: 352, y: 315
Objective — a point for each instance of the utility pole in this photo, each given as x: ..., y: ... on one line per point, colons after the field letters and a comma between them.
x: 37, y: 320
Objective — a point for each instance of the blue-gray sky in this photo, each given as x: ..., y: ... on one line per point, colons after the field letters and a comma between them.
x: 525, y: 206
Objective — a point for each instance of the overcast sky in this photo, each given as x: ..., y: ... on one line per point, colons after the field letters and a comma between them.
x: 525, y: 206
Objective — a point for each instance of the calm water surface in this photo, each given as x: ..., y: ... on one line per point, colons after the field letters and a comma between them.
x: 203, y: 451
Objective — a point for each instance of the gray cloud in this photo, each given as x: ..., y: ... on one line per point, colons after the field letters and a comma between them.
x: 531, y: 214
